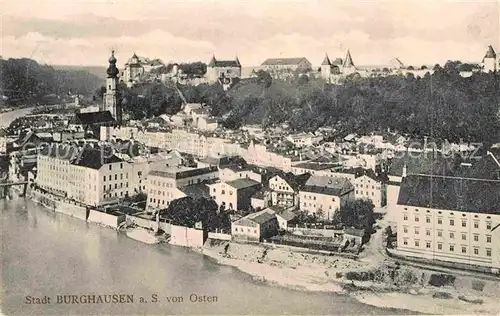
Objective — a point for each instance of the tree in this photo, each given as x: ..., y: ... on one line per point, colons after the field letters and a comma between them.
x: 358, y: 214
x: 410, y: 68
x: 264, y: 78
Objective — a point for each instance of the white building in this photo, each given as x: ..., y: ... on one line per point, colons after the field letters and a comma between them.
x: 450, y: 219
x: 325, y: 195
x: 164, y: 186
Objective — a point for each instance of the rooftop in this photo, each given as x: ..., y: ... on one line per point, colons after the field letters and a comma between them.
x: 242, y: 183
x: 182, y: 172
x: 451, y: 193
x: 284, y: 61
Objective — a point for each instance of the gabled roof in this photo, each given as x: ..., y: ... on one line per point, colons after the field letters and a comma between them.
x: 348, y: 60
x: 328, y: 186
x: 92, y: 118
x: 326, y: 61
x: 95, y: 158
x: 294, y: 181
x: 451, y: 193
x: 490, y: 53
x: 261, y: 217
x: 224, y: 63
x: 284, y: 61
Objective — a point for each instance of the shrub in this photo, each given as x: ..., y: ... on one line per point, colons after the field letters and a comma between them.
x: 439, y: 280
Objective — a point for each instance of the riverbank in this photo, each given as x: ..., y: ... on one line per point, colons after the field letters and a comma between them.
x: 408, y: 288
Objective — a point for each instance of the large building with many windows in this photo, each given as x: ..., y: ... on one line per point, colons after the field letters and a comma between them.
x: 450, y: 219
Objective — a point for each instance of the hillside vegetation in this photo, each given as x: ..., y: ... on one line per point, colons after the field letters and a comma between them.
x: 24, y: 81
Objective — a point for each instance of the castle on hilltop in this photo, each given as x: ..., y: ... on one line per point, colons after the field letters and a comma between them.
x: 331, y: 70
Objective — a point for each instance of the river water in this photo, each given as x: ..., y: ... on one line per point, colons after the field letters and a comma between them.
x: 7, y: 117
x: 49, y: 254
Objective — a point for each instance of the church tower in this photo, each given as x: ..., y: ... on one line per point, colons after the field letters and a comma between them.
x: 110, y: 102
x: 326, y: 68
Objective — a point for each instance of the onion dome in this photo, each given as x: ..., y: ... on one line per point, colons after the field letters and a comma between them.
x: 112, y: 59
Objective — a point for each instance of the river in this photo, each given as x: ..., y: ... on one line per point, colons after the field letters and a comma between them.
x: 7, y: 117
x: 49, y: 254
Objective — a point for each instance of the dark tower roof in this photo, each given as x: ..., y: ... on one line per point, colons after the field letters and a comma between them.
x: 238, y: 61
x: 112, y: 71
x: 212, y: 62
x: 490, y: 53
x: 348, y: 60
x: 326, y: 61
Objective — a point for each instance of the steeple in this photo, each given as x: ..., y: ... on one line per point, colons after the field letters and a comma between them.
x: 348, y: 60
x: 238, y: 60
x: 326, y: 61
x: 212, y: 61
x: 112, y: 71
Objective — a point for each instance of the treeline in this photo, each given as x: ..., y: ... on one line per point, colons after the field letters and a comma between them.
x: 24, y: 81
x: 444, y: 105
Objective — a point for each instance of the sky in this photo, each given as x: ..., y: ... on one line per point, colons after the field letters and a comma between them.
x: 84, y: 32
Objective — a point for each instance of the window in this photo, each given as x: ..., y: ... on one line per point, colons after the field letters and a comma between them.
x: 440, y: 221
x: 416, y: 219
x: 428, y: 232
x: 488, y: 252
x: 452, y: 248
x: 427, y: 219
x: 109, y: 167
x: 109, y: 177
x: 440, y: 233
x: 416, y: 231
x: 452, y: 222
x: 236, y: 229
x: 427, y: 244
x: 405, y: 217
x: 417, y: 243
x: 476, y: 224
x: 488, y: 239
x: 464, y: 237
x: 116, y: 177
x: 405, y: 241
x: 405, y: 230
x: 452, y: 235
x: 476, y: 251
x: 464, y: 224
x: 255, y: 231
x: 464, y: 249
x: 440, y: 246
x: 476, y: 237
x: 121, y: 178
x: 104, y: 178
x: 488, y: 225
x: 121, y: 165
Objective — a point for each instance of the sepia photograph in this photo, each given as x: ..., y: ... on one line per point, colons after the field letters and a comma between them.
x: 249, y: 157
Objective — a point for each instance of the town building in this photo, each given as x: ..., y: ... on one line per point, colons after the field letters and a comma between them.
x: 234, y: 194
x: 450, y: 219
x: 164, y: 186
x: 262, y: 199
x: 324, y: 196
x: 255, y: 227
x: 370, y: 185
x: 286, y: 218
x: 98, y: 176
x: 95, y: 124
x: 285, y: 188
x: 233, y: 172
x: 223, y: 69
x: 53, y: 168
x: 137, y: 67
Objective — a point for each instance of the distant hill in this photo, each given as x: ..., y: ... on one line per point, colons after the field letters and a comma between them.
x: 98, y: 71
x: 24, y: 81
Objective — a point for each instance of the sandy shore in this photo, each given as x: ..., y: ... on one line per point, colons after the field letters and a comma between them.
x: 317, y: 272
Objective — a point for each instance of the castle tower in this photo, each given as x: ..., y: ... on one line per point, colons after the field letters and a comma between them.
x: 348, y: 66
x: 490, y: 60
x: 110, y: 102
x: 326, y: 68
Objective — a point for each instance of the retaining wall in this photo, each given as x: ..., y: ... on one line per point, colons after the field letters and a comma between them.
x: 105, y: 219
x: 185, y: 236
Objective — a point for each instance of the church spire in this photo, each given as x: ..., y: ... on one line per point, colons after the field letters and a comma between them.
x: 238, y: 60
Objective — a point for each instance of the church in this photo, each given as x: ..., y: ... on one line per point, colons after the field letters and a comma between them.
x: 109, y: 114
